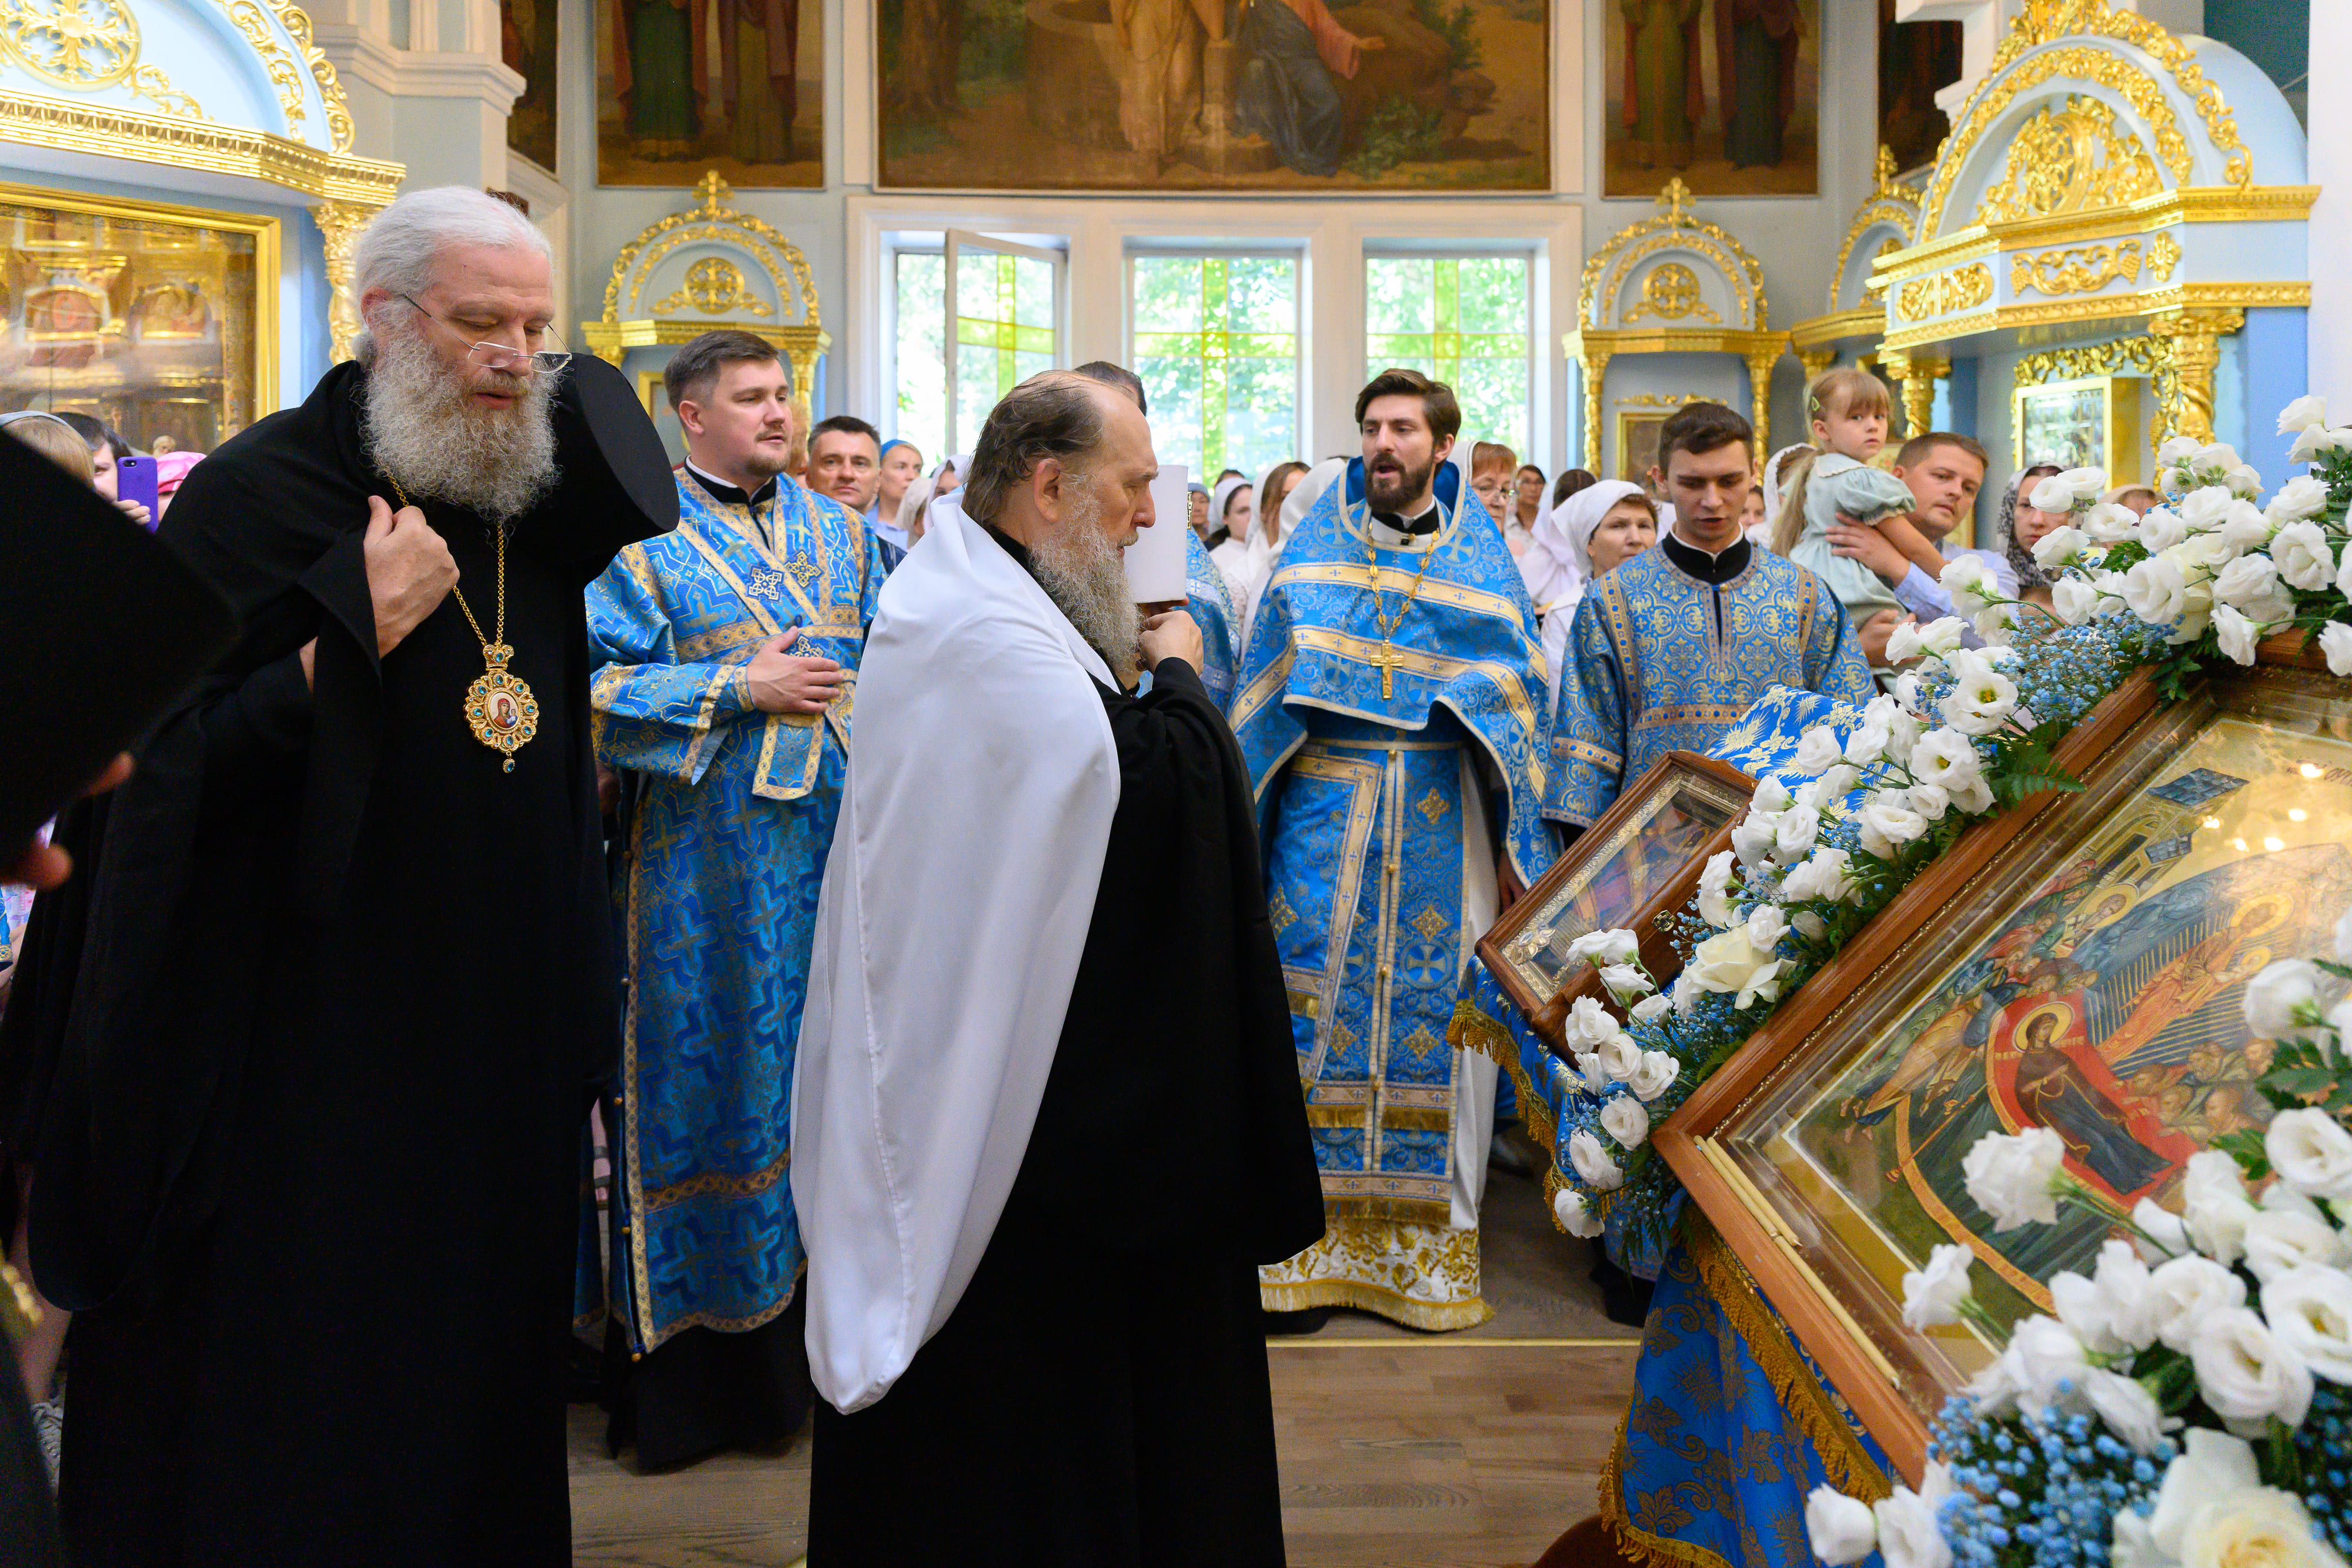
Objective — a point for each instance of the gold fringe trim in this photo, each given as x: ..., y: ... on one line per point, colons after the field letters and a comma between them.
x: 1656, y: 1551
x: 1727, y: 1279
x: 1436, y: 1316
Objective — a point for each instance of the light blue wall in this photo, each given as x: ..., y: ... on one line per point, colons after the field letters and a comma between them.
x: 2275, y: 371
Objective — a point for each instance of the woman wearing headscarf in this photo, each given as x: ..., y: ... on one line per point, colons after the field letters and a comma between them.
x: 901, y: 466
x: 1231, y: 495
x: 1297, y: 503
x: 913, y: 507
x: 1590, y: 533
x: 1247, y: 554
x: 2022, y: 526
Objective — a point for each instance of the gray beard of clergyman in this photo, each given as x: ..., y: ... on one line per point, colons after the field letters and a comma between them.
x: 1085, y: 577
x: 424, y: 430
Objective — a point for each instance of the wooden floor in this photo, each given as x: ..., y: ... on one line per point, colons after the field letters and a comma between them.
x: 1399, y: 1450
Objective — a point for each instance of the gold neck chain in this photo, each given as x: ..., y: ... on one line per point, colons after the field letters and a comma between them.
x: 458, y: 594
x: 499, y: 708
x: 1388, y: 659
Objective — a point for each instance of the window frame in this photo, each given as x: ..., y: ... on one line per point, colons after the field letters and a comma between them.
x: 946, y: 243
x: 1530, y: 257
x: 1295, y: 255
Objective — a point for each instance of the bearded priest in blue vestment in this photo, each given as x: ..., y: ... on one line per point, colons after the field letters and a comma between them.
x: 728, y: 656
x: 1668, y: 650
x: 1389, y: 706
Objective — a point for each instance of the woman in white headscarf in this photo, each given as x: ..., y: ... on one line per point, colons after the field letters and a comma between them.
x: 912, y: 506
x: 1300, y: 500
x: 1600, y: 526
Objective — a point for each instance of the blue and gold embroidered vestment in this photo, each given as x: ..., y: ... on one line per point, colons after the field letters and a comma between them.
x: 733, y: 815
x: 1211, y: 602
x: 1660, y: 661
x: 1374, y: 760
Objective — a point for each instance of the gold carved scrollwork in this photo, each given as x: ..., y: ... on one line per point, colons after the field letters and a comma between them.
x: 339, y: 225
x: 80, y: 44
x: 1670, y: 292
x: 2070, y: 158
x: 2075, y: 269
x: 2120, y: 357
x: 2163, y: 255
x: 1963, y: 288
x: 1673, y: 228
x: 2192, y: 345
x: 275, y: 61
x: 715, y: 218
x: 714, y: 285
x: 2041, y: 21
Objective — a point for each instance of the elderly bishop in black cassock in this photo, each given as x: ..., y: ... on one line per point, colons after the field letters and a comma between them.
x: 1046, y: 1118
x: 309, y: 1131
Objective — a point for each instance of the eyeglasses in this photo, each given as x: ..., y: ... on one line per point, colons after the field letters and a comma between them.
x: 498, y: 356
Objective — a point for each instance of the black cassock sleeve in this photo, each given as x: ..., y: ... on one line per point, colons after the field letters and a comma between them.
x: 1173, y: 1111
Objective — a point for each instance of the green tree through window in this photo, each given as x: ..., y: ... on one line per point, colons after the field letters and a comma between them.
x: 1004, y: 331
x: 922, y: 361
x: 1216, y: 342
x: 1462, y: 320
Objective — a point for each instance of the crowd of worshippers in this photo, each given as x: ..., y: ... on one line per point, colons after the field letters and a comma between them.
x: 787, y: 933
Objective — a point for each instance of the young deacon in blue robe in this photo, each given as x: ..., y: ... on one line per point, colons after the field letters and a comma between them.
x: 728, y: 652
x: 1668, y: 650
x: 1390, y: 711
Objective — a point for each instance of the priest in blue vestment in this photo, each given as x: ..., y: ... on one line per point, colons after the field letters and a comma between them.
x: 728, y: 656
x: 1668, y: 650
x: 1389, y: 706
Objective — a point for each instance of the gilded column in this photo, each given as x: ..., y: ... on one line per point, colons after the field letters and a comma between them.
x: 1815, y: 362
x: 1760, y: 388
x: 1915, y: 372
x: 1596, y: 371
x: 2193, y: 349
x: 339, y: 224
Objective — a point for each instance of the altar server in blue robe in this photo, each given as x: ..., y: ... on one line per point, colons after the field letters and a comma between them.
x: 1668, y: 650
x: 728, y: 656
x: 1390, y: 710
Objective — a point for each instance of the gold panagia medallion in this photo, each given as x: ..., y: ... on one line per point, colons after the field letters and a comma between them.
x: 499, y: 708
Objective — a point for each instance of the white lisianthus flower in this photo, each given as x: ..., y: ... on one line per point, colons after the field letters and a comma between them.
x: 2277, y: 1241
x: 2243, y: 481
x: 2050, y: 1361
x: 1688, y: 994
x: 1950, y: 759
x: 2053, y: 495
x: 1601, y: 949
x: 1981, y: 698
x: 2162, y: 527
x: 1823, y: 877
x: 1904, y: 644
x: 2059, y: 545
x: 2213, y: 1206
x: 1868, y: 743
x: 2073, y: 599
x: 2126, y: 1297
x: 1570, y: 1211
x: 1932, y: 1296
x: 1906, y: 690
x: 2245, y: 528
x: 2310, y: 1309
x: 1808, y: 926
x: 1888, y: 824
x: 2303, y: 556
x: 2303, y: 414
x: 1626, y: 981
x: 1592, y: 1162
x: 2214, y: 456
x: 1655, y: 1075
x: 1994, y: 623
x: 2110, y: 585
x: 2179, y: 449
x: 2236, y: 634
x: 2336, y: 641
x: 1590, y: 1073
x: 1651, y: 1008
x: 2187, y: 1289
x: 1908, y: 1534
x: 1797, y: 831
x: 2132, y: 1546
x: 2109, y: 523
x: 2246, y: 1372
x: 2260, y: 1528
x: 1771, y: 799
x: 1831, y: 787
x: 2299, y: 497
x: 1727, y: 962
x: 2207, y: 506
x: 1943, y: 634
x: 1842, y: 1529
x: 2312, y: 1153
x: 2156, y: 589
x: 1589, y: 1023
x: 1767, y: 924
x: 1619, y: 1056
x: 2308, y: 443
x: 1961, y: 574
x: 2250, y: 579
x: 1994, y: 1391
x: 1714, y: 893
x: 2202, y: 554
x: 1751, y: 839
x: 1624, y: 1119
x: 1930, y: 800
x: 2211, y: 1465
x: 2084, y: 485
x: 1816, y: 749
x: 2127, y: 1408
x: 2275, y: 995
x: 2008, y: 1176
x: 2344, y: 573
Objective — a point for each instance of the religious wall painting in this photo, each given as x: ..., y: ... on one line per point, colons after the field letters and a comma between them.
x: 2090, y: 421
x: 1214, y: 95
x: 732, y: 85
x: 527, y: 42
x: 1915, y: 61
x: 2089, y: 980
x: 1725, y: 93
x: 144, y: 316
x: 1644, y: 855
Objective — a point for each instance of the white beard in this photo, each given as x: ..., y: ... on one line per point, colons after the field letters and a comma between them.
x: 1085, y: 577
x: 424, y: 431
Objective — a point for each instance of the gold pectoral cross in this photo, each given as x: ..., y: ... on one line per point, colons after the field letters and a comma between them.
x: 1389, y: 660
